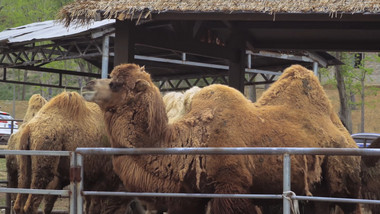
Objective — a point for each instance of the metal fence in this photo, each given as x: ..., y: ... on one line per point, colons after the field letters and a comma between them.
x: 40, y: 191
x: 76, y: 191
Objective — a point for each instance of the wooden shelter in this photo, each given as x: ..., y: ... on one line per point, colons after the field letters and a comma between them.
x: 34, y: 46
x: 227, y: 29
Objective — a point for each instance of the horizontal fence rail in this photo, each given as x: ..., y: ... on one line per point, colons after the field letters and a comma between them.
x: 230, y: 151
x: 35, y: 152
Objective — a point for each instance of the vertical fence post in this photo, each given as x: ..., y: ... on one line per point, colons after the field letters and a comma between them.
x: 8, y: 200
x: 286, y: 184
x: 80, y: 184
x: 73, y: 190
x: 105, y: 57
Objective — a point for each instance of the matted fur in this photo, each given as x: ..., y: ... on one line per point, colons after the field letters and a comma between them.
x: 179, y: 103
x: 295, y: 112
x: 66, y: 122
x: 175, y: 107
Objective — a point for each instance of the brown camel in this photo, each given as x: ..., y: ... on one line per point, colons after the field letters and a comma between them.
x: 35, y: 103
x: 371, y: 178
x: 66, y: 122
x: 295, y: 112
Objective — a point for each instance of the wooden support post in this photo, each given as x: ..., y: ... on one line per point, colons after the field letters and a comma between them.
x: 238, y: 60
x: 124, y: 47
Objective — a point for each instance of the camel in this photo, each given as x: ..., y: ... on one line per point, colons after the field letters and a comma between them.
x: 66, y: 122
x: 370, y: 174
x: 34, y: 105
x: 294, y: 112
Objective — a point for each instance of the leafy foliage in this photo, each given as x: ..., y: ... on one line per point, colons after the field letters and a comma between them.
x: 20, y: 12
x: 15, y: 13
x: 356, y: 74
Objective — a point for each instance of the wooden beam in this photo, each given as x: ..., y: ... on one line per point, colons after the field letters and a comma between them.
x: 124, y: 45
x: 238, y: 62
x: 58, y: 71
x: 316, y: 25
x: 356, y: 45
x: 165, y: 41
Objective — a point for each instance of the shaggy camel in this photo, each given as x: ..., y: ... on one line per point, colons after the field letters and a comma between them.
x: 34, y: 105
x: 66, y: 122
x: 370, y: 178
x: 294, y: 112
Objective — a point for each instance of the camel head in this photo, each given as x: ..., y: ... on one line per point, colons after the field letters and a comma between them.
x: 126, y: 83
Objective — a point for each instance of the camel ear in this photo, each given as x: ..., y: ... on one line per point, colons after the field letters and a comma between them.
x: 141, y: 85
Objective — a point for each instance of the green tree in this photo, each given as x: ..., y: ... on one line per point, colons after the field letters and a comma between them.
x: 350, y: 79
x: 15, y: 13
x: 360, y: 76
x: 20, y: 12
x: 341, y: 72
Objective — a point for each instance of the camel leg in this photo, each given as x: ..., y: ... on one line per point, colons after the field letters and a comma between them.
x: 342, y: 181
x: 229, y: 205
x: 23, y: 182
x: 49, y: 200
x: 24, y: 170
x: 44, y: 173
x: 12, y: 173
x: 94, y: 205
x: 186, y: 206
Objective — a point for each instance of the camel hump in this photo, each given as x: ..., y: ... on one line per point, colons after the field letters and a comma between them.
x: 37, y: 100
x: 34, y: 105
x: 71, y: 104
x: 298, y: 88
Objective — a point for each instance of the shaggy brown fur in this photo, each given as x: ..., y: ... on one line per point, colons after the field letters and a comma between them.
x: 295, y: 112
x: 64, y: 123
x: 371, y: 178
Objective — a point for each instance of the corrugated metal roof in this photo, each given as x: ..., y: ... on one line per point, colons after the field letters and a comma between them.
x: 48, y: 30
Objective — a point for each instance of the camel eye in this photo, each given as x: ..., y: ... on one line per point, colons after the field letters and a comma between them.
x: 114, y: 86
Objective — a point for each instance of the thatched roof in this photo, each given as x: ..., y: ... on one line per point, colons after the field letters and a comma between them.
x: 87, y: 10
